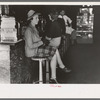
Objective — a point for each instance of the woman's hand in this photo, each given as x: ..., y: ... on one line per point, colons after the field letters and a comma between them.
x: 40, y: 43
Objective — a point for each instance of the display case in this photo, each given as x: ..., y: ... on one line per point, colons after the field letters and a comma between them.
x: 85, y: 19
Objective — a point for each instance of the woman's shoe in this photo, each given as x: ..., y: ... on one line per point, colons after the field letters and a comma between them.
x: 53, y: 81
x: 66, y: 70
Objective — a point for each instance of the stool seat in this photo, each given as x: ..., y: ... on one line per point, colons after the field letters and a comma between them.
x: 38, y: 58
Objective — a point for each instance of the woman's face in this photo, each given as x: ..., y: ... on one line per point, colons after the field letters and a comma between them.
x: 35, y: 20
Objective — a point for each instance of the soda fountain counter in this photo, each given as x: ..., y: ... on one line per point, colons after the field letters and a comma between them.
x: 11, y: 61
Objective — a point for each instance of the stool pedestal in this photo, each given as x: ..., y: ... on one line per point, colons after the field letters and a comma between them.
x: 40, y: 68
x: 40, y: 72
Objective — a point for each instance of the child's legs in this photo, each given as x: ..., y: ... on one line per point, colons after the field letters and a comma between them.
x: 59, y: 61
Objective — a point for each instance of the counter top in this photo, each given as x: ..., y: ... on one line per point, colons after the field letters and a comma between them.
x: 11, y: 43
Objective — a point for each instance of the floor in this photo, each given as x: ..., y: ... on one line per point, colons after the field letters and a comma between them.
x: 83, y: 60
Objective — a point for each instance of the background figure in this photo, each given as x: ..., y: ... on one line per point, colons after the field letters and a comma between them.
x: 68, y: 26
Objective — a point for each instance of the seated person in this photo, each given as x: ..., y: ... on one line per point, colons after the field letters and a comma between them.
x: 53, y: 35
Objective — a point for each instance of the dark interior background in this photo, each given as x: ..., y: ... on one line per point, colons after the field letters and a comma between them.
x: 20, y: 12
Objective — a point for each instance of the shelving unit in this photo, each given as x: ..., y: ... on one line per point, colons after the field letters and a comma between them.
x: 85, y: 19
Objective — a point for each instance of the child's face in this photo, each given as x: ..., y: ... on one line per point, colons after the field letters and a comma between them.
x: 54, y: 16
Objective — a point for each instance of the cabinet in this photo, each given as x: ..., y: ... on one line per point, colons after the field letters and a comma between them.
x: 85, y: 19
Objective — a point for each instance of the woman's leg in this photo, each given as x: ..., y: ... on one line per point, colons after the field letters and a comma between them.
x: 53, y: 64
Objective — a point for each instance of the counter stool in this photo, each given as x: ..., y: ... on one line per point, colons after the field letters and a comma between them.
x: 41, y: 59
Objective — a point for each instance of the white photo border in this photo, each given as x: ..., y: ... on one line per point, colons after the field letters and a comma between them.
x: 68, y: 91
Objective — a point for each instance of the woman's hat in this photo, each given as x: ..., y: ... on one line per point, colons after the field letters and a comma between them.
x: 31, y: 13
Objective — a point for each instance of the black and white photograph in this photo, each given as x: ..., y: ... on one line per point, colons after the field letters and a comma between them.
x: 60, y: 46
x: 50, y: 44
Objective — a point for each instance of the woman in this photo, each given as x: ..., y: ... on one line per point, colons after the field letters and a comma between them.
x: 33, y: 43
